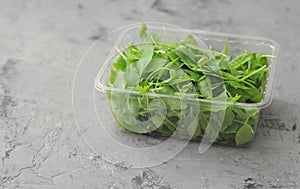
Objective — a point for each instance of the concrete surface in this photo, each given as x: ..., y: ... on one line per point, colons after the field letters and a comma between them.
x: 41, y: 43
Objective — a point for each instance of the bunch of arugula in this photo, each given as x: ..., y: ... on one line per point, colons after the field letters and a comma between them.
x: 184, y: 69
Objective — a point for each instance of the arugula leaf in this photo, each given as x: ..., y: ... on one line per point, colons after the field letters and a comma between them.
x: 231, y: 130
x: 146, y: 58
x: 119, y: 81
x: 205, y: 88
x: 190, y: 40
x: 131, y: 76
x: 225, y: 50
x: 244, y: 135
x: 190, y: 123
x: 154, y: 65
x: 229, y: 116
x: 236, y: 85
x: 120, y: 63
x: 113, y: 75
x: 143, y: 31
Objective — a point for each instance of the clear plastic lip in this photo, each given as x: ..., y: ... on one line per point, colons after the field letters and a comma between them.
x: 259, y: 41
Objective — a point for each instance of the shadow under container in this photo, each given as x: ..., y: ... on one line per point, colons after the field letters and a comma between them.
x: 184, y: 117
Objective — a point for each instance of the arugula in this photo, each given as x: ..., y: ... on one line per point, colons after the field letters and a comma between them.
x: 184, y: 69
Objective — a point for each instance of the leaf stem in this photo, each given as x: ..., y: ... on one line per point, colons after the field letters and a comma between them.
x: 121, y: 53
x: 252, y: 73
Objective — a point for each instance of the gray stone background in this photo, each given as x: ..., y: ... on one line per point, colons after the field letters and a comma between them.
x: 41, y: 43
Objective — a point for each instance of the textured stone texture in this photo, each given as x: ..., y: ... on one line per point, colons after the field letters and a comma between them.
x: 41, y: 44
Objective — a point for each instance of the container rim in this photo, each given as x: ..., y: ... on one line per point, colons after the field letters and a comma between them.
x: 266, y: 101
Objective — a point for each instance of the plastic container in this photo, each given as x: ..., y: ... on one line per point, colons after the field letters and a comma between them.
x: 200, y: 119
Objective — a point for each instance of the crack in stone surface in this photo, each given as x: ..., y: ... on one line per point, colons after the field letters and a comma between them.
x: 7, y: 179
x: 149, y: 179
x: 8, y: 102
x: 14, y: 127
x: 46, y: 149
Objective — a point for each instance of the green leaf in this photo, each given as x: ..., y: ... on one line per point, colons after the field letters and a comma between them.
x: 143, y: 31
x: 236, y: 85
x: 120, y: 81
x: 223, y: 62
x: 112, y: 77
x: 154, y: 64
x: 225, y: 49
x: 244, y: 135
x: 187, y: 88
x: 189, y: 123
x: 165, y: 89
x: 158, y: 113
x: 120, y: 63
x: 191, y: 40
x: 205, y: 88
x: 194, y: 76
x: 146, y: 58
x: 241, y: 113
x: 144, y: 89
x: 133, y: 50
x: 231, y: 130
x: 131, y: 76
x: 253, y: 94
x: 229, y: 116
x: 186, y: 55
x: 174, y: 104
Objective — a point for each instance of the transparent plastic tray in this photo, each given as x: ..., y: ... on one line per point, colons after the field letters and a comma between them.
x: 122, y: 109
